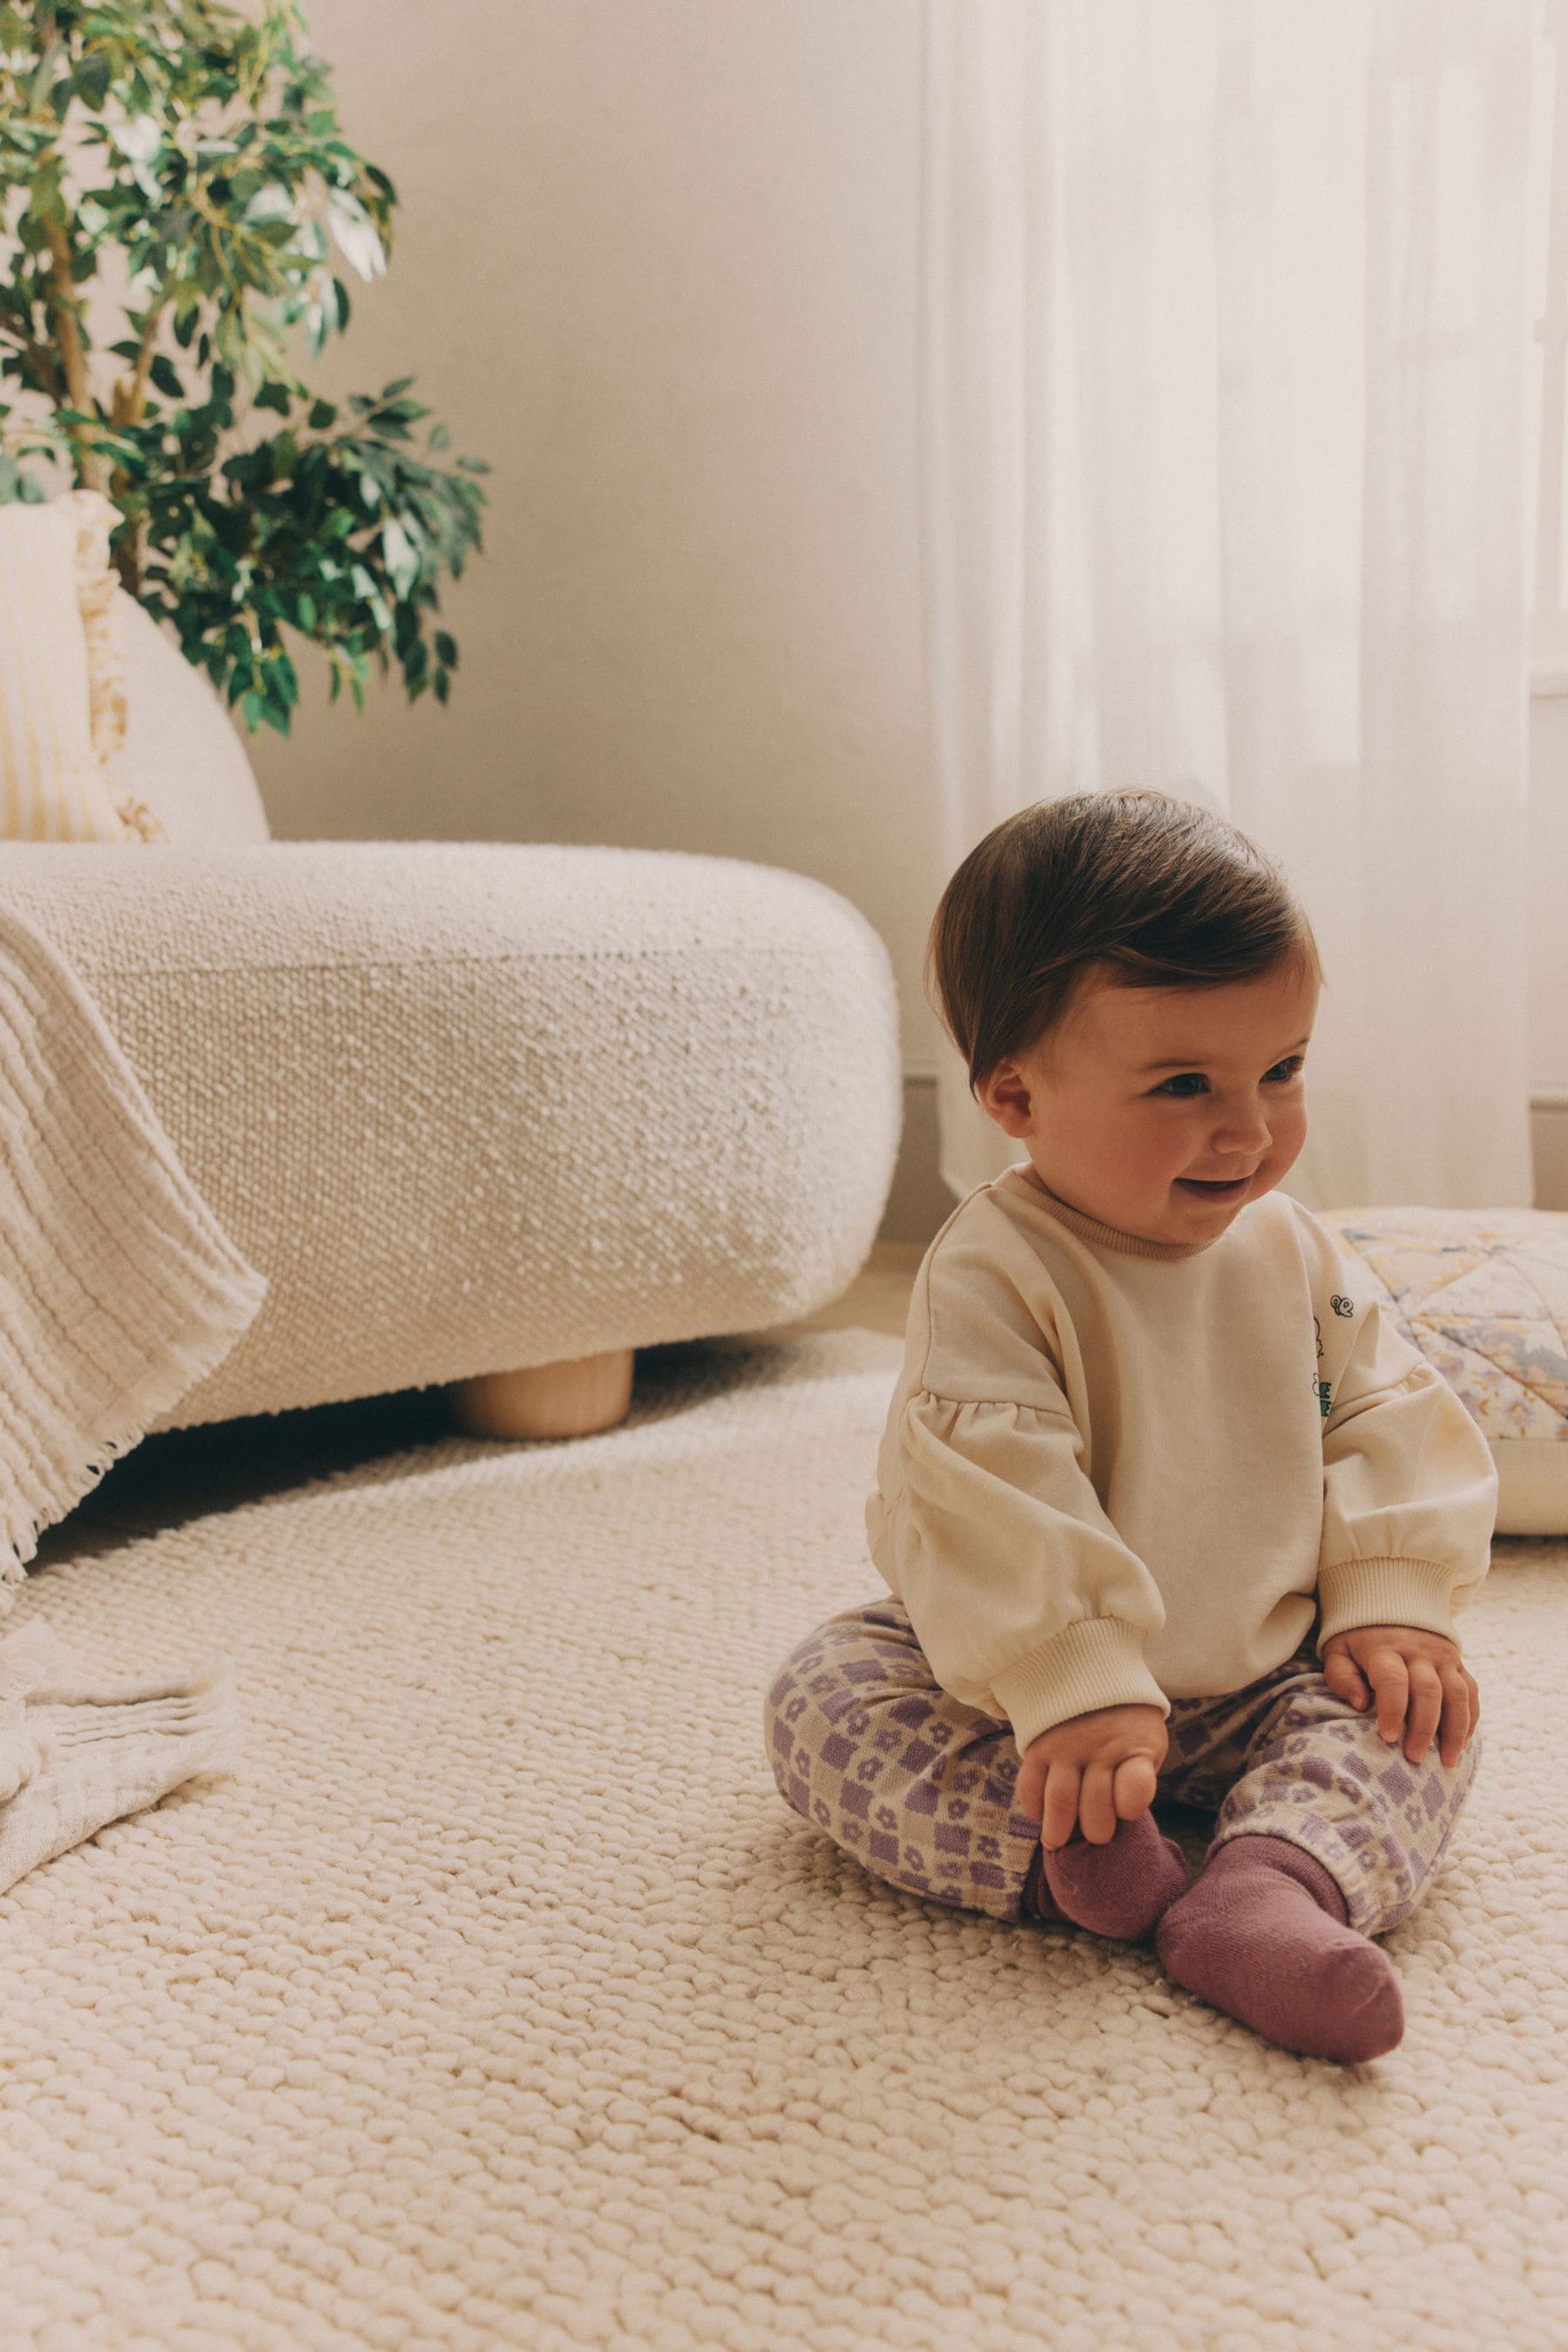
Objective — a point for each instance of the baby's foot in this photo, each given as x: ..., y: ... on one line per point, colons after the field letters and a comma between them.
x: 1262, y: 1936
x: 1121, y: 1888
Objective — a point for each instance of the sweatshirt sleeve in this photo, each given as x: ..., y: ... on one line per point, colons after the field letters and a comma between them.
x: 1024, y: 1599
x: 1023, y: 1596
x: 1409, y: 1490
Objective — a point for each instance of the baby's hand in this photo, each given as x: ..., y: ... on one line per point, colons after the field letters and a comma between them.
x: 1416, y: 1678
x: 1097, y: 1769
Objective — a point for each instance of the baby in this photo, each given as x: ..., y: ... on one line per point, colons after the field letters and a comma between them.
x: 1165, y: 1504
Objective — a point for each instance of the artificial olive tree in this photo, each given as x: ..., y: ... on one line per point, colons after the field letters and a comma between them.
x: 176, y: 168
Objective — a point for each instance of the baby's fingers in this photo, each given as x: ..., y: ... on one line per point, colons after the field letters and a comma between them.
x: 1058, y: 1818
x: 1135, y: 1787
x: 1345, y: 1679
x: 1390, y: 1679
x: 1029, y: 1789
x: 1425, y: 1708
x: 1461, y: 1704
x: 1097, y: 1805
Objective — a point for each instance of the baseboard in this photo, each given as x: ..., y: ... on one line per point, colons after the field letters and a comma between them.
x: 1549, y: 1148
x: 919, y: 1202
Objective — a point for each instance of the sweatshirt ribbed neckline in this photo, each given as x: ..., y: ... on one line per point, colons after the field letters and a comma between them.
x: 1091, y: 1229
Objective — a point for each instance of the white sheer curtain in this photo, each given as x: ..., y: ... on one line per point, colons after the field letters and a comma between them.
x: 1228, y: 480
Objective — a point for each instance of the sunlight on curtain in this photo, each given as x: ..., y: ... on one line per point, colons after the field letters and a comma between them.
x: 1228, y: 480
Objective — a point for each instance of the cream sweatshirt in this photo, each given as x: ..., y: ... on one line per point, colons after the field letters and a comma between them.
x: 1122, y: 1470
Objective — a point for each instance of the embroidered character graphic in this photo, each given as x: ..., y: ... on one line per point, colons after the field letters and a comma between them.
x: 1324, y: 1389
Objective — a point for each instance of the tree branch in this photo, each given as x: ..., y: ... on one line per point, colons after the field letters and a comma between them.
x: 128, y: 398
x: 42, y: 359
x: 61, y: 295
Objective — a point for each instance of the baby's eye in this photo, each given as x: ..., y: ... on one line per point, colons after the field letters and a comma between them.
x: 1280, y: 1074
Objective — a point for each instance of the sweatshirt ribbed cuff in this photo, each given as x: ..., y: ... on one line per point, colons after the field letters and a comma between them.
x: 1385, y: 1592
x: 1097, y: 1661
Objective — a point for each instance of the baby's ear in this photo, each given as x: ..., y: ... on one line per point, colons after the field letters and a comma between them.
x: 1004, y: 1095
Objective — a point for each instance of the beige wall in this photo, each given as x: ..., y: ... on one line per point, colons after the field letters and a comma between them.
x: 656, y: 260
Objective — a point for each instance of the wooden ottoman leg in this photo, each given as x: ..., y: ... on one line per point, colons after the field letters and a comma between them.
x: 565, y: 1400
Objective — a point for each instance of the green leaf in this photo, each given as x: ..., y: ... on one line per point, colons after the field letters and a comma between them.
x: 200, y: 200
x: 401, y: 556
x: 91, y: 80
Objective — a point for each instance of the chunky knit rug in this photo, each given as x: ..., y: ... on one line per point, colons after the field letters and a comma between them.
x: 500, y: 2001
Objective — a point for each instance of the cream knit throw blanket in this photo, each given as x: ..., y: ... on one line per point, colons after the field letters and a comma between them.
x: 117, y: 1292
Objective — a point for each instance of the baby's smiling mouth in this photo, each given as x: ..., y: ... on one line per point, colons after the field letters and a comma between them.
x: 1215, y: 1186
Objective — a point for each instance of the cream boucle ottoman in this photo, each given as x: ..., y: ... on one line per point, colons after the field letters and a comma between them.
x: 474, y: 1109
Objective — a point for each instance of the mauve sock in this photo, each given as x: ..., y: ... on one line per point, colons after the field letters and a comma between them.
x: 1120, y: 1888
x: 1262, y: 1935
x: 1036, y: 1902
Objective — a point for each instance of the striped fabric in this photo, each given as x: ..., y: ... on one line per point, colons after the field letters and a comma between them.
x: 118, y: 1289
x: 62, y: 681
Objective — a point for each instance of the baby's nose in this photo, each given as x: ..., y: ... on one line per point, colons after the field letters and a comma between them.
x: 1243, y: 1131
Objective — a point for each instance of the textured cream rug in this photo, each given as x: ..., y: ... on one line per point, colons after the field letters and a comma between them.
x: 501, y: 2001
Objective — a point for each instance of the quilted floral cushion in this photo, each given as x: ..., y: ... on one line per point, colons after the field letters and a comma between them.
x: 1483, y: 1293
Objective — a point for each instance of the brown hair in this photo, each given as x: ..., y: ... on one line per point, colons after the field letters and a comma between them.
x: 1160, y: 891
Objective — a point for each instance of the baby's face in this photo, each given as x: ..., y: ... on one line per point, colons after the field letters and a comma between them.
x: 1125, y: 1140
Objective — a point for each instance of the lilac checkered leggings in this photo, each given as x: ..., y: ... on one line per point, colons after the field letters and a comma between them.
x: 865, y: 1745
